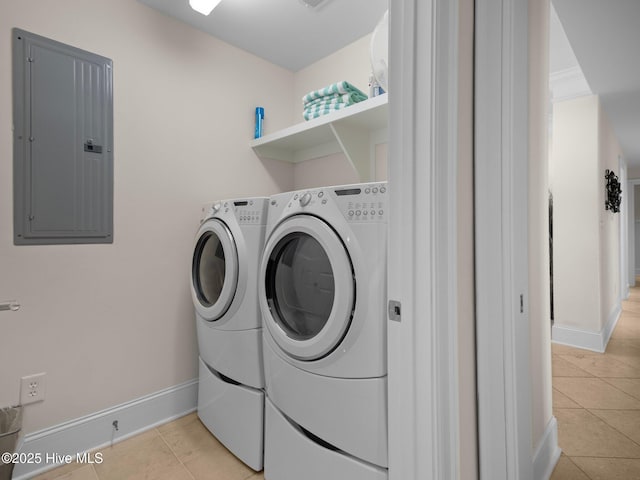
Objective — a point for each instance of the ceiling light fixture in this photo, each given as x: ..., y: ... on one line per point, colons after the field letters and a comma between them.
x: 204, y: 7
x: 312, y: 3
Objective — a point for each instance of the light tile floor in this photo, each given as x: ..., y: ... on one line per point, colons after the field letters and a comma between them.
x: 596, y: 400
x: 181, y: 450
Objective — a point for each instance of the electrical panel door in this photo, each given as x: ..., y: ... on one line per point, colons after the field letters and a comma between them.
x: 63, y: 143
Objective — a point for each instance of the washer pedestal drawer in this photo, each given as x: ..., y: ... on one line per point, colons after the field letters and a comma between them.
x: 234, y: 414
x: 290, y: 454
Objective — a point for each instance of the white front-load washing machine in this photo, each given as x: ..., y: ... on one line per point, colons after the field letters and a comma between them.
x: 322, y: 293
x: 224, y: 290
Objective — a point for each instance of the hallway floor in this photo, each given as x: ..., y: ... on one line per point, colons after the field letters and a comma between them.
x: 596, y: 400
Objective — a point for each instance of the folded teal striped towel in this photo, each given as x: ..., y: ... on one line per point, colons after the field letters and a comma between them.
x: 348, y: 98
x: 329, y: 99
x: 339, y: 88
x: 322, y: 109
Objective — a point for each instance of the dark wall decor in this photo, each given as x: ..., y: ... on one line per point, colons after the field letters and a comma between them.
x: 613, y: 194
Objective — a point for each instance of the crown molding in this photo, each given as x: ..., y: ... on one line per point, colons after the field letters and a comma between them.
x: 568, y: 84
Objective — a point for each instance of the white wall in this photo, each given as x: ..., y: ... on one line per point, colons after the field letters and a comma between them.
x: 110, y: 323
x: 586, y: 252
x: 633, y: 172
x: 329, y: 170
x: 576, y: 214
x: 610, y: 286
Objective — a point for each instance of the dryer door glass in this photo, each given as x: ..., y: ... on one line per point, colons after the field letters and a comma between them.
x: 300, y: 286
x: 209, y: 273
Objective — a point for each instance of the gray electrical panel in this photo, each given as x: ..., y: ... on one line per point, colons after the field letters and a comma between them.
x: 62, y: 143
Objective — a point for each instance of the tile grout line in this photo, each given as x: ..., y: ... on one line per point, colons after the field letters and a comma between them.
x: 95, y: 472
x: 597, y: 456
x: 616, y: 429
x: 581, y: 407
x: 175, y: 454
x: 602, y: 355
x: 579, y: 468
x: 604, y: 379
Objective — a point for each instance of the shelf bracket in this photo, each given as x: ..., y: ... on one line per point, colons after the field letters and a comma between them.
x: 355, y: 144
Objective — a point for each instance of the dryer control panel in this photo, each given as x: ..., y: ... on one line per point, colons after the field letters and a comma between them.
x: 250, y: 211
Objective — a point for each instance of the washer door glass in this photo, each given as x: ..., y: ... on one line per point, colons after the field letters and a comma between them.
x: 308, y: 287
x: 214, y: 270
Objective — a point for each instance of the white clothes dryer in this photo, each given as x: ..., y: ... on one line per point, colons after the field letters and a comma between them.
x: 322, y: 294
x: 224, y: 291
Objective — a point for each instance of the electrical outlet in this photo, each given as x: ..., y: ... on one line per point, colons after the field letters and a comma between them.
x: 32, y: 388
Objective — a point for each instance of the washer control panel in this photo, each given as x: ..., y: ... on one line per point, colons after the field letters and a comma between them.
x: 251, y: 211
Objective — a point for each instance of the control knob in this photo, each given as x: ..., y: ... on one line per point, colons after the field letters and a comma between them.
x: 305, y: 199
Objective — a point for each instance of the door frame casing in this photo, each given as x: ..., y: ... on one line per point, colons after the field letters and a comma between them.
x: 423, y: 349
x: 423, y: 344
x: 501, y: 211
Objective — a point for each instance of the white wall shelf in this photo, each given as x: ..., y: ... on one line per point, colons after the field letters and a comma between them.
x: 350, y: 131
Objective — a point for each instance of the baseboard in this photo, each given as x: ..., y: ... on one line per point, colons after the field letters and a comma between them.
x: 96, y: 430
x: 612, y: 321
x: 547, y: 454
x: 595, y: 341
x: 575, y: 337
